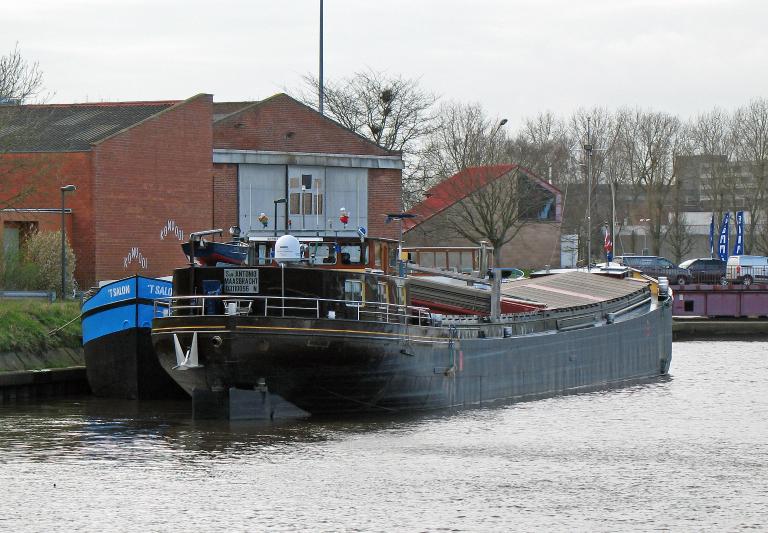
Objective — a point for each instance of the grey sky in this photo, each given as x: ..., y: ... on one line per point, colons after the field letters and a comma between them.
x: 515, y: 57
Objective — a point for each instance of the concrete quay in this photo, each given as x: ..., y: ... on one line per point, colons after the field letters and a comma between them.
x: 28, y: 375
x: 689, y: 328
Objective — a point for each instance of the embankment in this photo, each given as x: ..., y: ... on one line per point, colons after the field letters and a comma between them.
x: 40, y: 349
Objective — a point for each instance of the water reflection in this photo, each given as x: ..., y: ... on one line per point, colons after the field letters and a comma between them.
x: 685, y: 452
x: 116, y: 428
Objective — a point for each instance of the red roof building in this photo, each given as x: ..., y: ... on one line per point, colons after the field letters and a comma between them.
x: 507, y: 200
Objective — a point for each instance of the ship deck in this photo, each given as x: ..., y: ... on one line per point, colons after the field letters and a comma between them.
x: 571, y: 289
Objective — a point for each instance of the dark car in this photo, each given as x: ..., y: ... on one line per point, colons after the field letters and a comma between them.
x: 706, y: 270
x: 655, y: 266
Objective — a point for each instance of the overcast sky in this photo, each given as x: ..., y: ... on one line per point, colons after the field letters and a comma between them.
x: 515, y: 57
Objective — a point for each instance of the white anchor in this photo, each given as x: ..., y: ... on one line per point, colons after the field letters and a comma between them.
x: 188, y: 359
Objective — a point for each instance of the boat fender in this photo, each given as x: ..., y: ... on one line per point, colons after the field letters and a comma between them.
x: 663, y: 287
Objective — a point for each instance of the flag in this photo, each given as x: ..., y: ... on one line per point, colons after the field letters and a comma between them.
x: 608, y: 245
x: 722, y: 243
x: 738, y: 248
x: 712, y: 236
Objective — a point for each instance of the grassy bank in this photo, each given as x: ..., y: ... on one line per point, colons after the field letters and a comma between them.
x: 25, y: 324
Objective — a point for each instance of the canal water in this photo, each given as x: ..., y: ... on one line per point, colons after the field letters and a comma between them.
x: 684, y: 453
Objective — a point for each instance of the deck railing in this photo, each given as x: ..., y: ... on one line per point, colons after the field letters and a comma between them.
x: 291, y: 307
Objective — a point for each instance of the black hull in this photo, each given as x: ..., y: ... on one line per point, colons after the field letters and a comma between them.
x: 338, y: 366
x: 123, y: 365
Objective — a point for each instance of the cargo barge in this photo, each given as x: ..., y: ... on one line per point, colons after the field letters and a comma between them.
x: 307, y: 335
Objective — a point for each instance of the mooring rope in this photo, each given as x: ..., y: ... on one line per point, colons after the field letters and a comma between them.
x: 55, y: 331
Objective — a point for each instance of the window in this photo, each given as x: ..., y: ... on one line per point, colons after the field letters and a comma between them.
x: 322, y: 253
x: 353, y: 292
x: 306, y: 196
x: 352, y: 254
x: 381, y: 293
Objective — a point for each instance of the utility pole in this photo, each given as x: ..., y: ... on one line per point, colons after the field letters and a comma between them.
x: 588, y: 150
x: 320, y: 84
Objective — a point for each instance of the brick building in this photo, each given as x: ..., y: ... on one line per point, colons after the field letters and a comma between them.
x: 149, y: 173
x: 475, y: 193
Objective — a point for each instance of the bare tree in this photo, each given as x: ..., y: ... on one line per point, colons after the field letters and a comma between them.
x: 709, y: 136
x: 593, y: 193
x: 392, y: 111
x: 678, y: 234
x: 464, y: 137
x: 494, y: 204
x: 20, y: 82
x: 543, y: 146
x: 649, y: 141
x: 750, y: 126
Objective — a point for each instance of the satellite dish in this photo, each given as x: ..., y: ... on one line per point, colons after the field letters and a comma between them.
x: 287, y: 249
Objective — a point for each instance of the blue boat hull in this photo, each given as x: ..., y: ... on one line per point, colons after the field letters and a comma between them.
x: 119, y: 359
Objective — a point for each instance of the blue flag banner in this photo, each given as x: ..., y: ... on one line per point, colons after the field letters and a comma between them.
x: 722, y: 243
x: 738, y: 248
x: 712, y: 236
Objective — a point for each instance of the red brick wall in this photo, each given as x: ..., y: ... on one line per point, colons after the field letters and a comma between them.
x: 224, y: 196
x: 154, y: 175
x: 283, y: 124
x: 384, y: 196
x: 38, y: 177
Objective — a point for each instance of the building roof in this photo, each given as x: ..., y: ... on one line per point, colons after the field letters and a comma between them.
x: 69, y: 127
x: 224, y: 109
x: 459, y: 186
x: 236, y: 108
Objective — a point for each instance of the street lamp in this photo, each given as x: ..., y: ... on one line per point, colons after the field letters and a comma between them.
x: 645, y: 234
x: 279, y: 201
x: 64, y: 190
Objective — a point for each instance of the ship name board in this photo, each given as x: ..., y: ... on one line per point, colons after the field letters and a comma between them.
x: 241, y: 281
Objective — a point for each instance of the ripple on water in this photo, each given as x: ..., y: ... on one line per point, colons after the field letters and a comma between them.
x: 682, y: 453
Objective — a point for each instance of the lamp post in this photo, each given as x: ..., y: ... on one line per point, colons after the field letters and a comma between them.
x: 645, y: 234
x: 279, y: 201
x: 64, y: 190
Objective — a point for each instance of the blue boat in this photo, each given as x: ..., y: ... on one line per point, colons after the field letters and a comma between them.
x: 119, y: 358
x: 211, y: 253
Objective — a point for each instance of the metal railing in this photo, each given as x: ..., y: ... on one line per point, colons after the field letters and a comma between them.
x: 291, y: 307
x: 46, y: 295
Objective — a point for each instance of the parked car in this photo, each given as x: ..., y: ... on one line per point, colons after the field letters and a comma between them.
x: 655, y: 266
x: 747, y: 269
x: 706, y: 270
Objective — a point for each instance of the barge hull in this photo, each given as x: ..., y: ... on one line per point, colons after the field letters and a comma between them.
x: 359, y: 367
x: 123, y: 365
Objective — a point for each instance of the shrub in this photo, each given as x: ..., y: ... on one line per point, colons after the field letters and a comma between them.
x: 17, y: 274
x: 43, y: 249
x: 38, y: 267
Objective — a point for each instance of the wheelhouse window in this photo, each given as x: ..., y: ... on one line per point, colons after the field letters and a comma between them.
x: 322, y: 253
x: 353, y: 254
